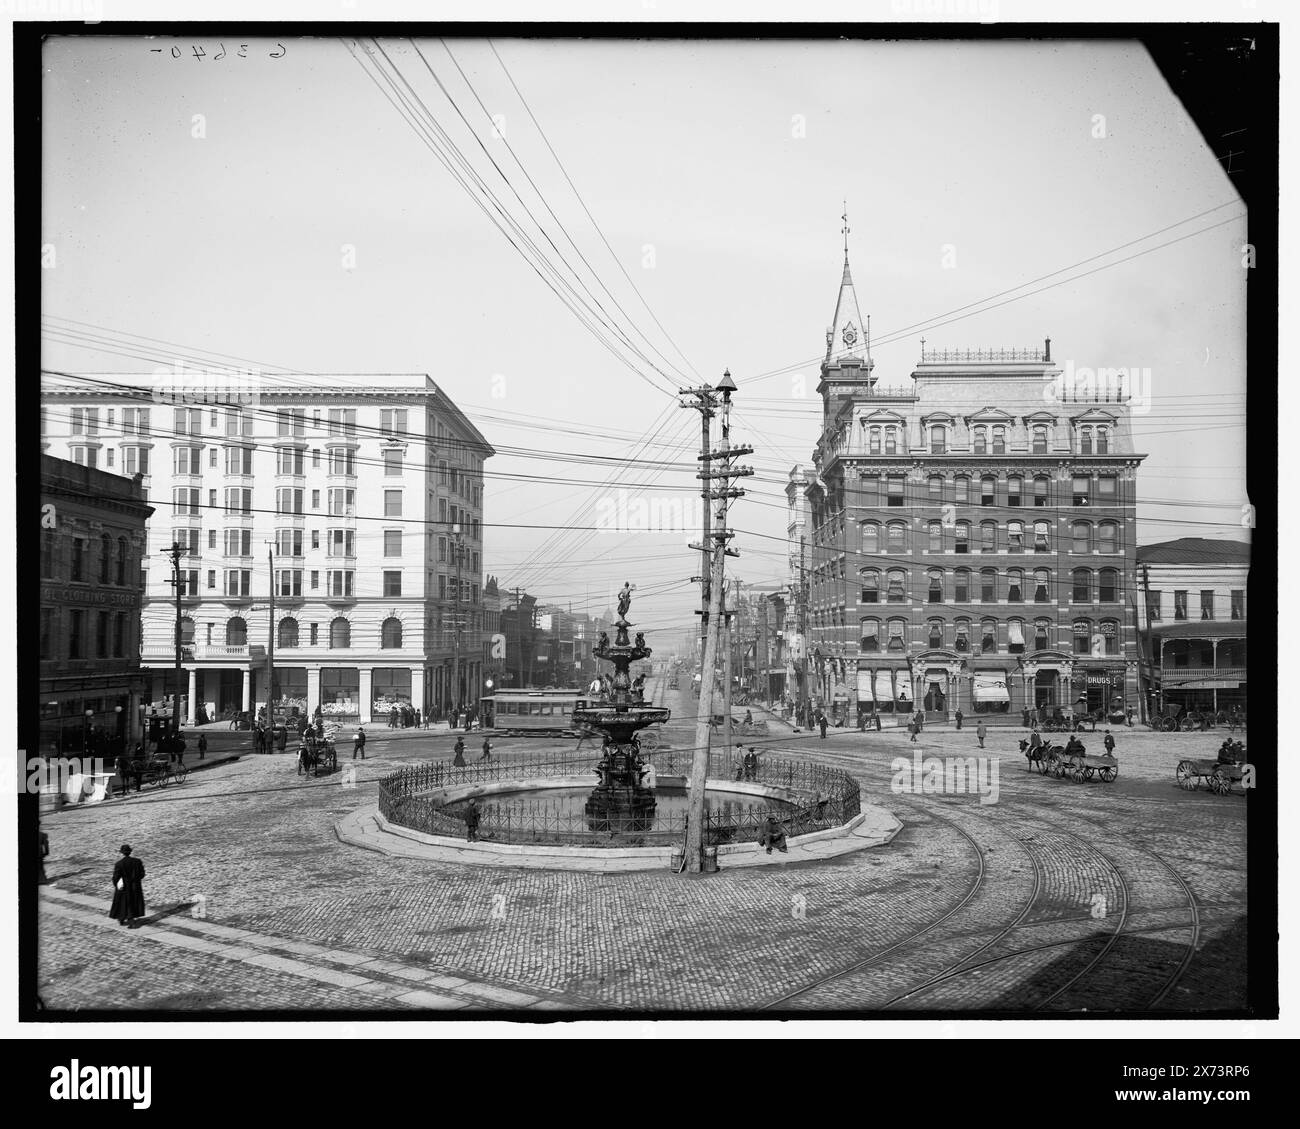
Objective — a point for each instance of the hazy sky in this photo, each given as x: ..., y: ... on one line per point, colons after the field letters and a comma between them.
x: 716, y: 171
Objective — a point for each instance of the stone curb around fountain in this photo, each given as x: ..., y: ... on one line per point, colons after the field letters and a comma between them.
x: 367, y: 829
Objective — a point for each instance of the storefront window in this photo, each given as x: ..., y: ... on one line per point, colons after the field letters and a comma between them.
x: 340, y: 691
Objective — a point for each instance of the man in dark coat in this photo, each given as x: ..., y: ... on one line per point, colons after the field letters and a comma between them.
x: 959, y: 716
x: 359, y: 744
x: 203, y: 745
x: 1109, y: 742
x: 128, y: 888
x: 822, y: 723
x: 471, y: 822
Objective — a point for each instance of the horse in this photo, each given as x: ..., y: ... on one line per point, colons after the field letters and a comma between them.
x: 1039, y: 755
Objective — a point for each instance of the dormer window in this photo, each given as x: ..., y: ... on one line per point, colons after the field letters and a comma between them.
x: 981, y: 440
x: 938, y: 439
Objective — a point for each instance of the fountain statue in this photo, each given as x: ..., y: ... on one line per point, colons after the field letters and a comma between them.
x: 621, y: 801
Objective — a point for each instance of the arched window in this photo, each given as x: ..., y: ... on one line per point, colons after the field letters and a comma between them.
x: 1041, y: 629
x: 936, y: 586
x: 988, y: 586
x: 236, y: 632
x: 1107, y: 586
x: 961, y: 487
x: 896, y: 586
x: 105, y: 557
x: 1081, y: 582
x: 874, y: 441
x: 938, y: 439
x: 287, y: 635
x: 1085, y: 440
x: 187, y: 631
x: 1015, y: 537
x: 870, y: 586
x: 988, y: 636
x: 1103, y: 440
x: 870, y: 635
x: 988, y: 537
x: 897, y: 638
x: 1042, y: 541
x: 1082, y: 636
x: 340, y: 633
x: 390, y: 635
x: 999, y: 440
x: 1016, y: 636
x: 935, y: 531
x: 1014, y: 484
x: 891, y: 441
x: 1042, y: 489
x: 1110, y: 636
x: 988, y: 490
x: 870, y: 538
x: 961, y: 638
x: 1108, y: 537
x: 981, y: 440
x: 961, y: 585
x: 936, y: 634
x: 1039, y: 439
x: 897, y: 540
x: 961, y: 537
x: 1080, y: 537
x: 123, y: 560
x: 1015, y: 586
x: 1042, y: 586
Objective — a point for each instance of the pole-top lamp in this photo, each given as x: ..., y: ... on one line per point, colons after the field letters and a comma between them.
x: 726, y: 384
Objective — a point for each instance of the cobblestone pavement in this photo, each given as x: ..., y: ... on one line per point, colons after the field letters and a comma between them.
x: 1059, y: 896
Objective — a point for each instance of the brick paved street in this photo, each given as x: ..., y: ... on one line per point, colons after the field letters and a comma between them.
x: 1060, y: 896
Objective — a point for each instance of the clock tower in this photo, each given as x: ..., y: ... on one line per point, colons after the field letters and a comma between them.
x: 847, y: 366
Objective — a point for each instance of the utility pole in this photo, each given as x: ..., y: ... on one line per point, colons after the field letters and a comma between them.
x: 713, y: 617
x: 270, y: 642
x: 176, y: 551
x: 706, y: 403
x: 457, y: 551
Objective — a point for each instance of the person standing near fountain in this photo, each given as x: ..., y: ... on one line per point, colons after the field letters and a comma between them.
x: 487, y: 750
x: 471, y: 822
x: 459, y: 759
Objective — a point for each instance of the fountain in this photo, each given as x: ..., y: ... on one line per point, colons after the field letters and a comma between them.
x: 622, y: 801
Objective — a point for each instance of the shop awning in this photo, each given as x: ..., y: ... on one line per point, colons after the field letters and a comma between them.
x: 990, y: 688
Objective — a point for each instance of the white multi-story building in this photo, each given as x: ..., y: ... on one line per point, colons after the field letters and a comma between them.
x: 331, y: 527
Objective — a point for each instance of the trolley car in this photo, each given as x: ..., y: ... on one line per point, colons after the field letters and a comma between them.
x: 547, y: 713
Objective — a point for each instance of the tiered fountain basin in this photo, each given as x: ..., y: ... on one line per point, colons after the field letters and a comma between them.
x: 532, y: 813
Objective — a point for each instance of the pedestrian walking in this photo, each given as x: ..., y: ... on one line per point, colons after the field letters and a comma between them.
x: 359, y: 744
x: 178, y: 748
x: 822, y: 724
x: 911, y: 729
x: 471, y: 822
x: 960, y: 715
x: 45, y: 851
x: 259, y: 739
x: 124, y: 773
x: 981, y: 731
x: 128, y: 888
x: 487, y: 750
x: 459, y: 759
x: 203, y: 745
x: 1109, y: 742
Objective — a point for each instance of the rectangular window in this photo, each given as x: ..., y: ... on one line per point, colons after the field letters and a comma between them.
x: 288, y: 542
x: 76, y: 632
x: 313, y: 630
x: 187, y: 460
x: 1106, y: 490
x: 342, y: 421
x: 895, y: 488
x: 1180, y: 605
x: 1040, y: 492
x: 962, y: 485
x: 1153, y: 606
x: 1207, y: 603
x: 392, y: 542
x: 988, y: 492
x: 239, y: 500
x: 342, y: 460
x: 961, y: 586
x: 340, y: 582
x: 238, y: 581
x: 109, y: 453
x: 187, y: 421
x: 341, y: 543
x: 392, y: 503
x: 999, y: 440
x: 315, y: 583
x: 185, y: 500
x: 315, y: 499
x: 135, y: 421
x: 315, y: 538
x: 442, y: 548
x: 1238, y: 598
x: 342, y: 502
x: 392, y: 463
x: 392, y: 583
x: 988, y: 538
x: 392, y: 421
x: 1013, y: 492
x: 1082, y: 483
x: 85, y: 421
x: 288, y: 460
x: 135, y: 460
x: 239, y: 460
x: 212, y: 578
x: 988, y: 588
x: 288, y: 582
x: 288, y: 500
x: 290, y: 421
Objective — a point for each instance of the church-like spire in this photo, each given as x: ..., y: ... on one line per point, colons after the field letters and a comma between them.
x: 847, y: 336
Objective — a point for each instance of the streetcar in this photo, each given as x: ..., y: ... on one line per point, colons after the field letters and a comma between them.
x: 548, y: 713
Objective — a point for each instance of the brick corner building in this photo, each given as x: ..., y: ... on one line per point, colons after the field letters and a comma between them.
x: 972, y: 536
